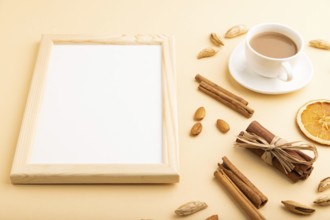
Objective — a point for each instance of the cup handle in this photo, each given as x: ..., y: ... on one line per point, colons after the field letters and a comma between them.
x: 287, y: 72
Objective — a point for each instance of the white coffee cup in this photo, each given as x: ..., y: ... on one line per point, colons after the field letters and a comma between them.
x: 262, y: 59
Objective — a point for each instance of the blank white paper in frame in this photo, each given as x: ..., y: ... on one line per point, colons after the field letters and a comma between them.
x: 100, y: 110
x: 94, y: 101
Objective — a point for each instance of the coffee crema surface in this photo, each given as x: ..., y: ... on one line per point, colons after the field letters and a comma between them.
x: 274, y: 45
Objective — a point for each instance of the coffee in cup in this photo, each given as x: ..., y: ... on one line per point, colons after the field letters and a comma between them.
x: 272, y: 50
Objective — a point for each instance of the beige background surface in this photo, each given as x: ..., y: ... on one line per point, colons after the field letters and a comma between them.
x: 23, y: 22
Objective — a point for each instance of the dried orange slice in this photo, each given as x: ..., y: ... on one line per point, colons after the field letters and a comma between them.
x: 313, y: 119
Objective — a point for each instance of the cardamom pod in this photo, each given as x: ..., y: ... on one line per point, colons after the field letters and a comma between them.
x: 324, y: 184
x: 320, y: 44
x: 236, y: 30
x: 298, y: 208
x: 323, y: 200
x: 199, y: 114
x: 216, y: 40
x: 207, y: 52
x: 190, y: 208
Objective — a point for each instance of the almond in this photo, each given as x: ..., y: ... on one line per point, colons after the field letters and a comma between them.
x: 298, y: 208
x: 320, y: 44
x: 199, y: 114
x: 207, y: 52
x: 222, y: 125
x: 323, y: 200
x: 213, y: 217
x: 196, y: 129
x: 324, y: 184
x: 236, y: 30
x: 190, y: 208
x: 216, y: 40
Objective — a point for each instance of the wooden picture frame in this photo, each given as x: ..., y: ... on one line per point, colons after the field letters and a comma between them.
x: 101, y: 109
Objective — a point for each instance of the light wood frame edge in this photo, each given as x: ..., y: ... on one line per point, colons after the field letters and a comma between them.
x: 168, y: 172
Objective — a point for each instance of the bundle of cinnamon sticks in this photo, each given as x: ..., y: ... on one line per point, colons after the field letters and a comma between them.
x: 300, y: 171
x: 248, y: 196
x: 222, y: 95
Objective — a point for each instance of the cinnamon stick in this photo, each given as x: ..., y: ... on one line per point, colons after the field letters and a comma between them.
x: 244, y: 184
x: 238, y: 196
x: 225, y: 99
x: 246, y: 190
x: 200, y: 79
x: 300, y: 171
x: 224, y: 96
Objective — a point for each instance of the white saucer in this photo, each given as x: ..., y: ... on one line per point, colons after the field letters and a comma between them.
x: 303, y: 73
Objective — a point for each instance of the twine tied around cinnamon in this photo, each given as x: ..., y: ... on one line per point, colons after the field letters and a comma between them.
x: 277, y: 149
